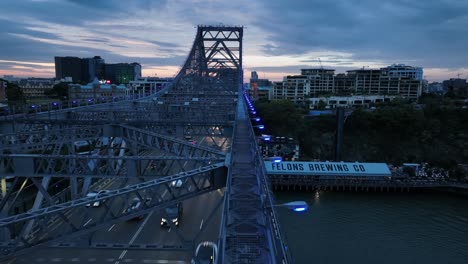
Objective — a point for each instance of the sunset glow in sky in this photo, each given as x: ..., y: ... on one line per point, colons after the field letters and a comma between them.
x: 280, y: 37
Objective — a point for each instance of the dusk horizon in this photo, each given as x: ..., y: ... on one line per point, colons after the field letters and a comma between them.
x: 280, y: 39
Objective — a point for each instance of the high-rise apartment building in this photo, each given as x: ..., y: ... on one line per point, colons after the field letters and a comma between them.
x: 457, y: 86
x: 254, y: 76
x: 397, y: 80
x: 86, y: 70
x: 403, y: 71
x: 293, y: 88
x: 259, y: 88
x: 122, y: 73
x: 320, y: 80
x: 93, y: 68
x: 69, y: 67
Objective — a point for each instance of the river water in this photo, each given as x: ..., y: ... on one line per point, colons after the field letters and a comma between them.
x: 373, y: 228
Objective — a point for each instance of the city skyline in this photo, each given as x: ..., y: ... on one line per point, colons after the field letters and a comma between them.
x: 279, y: 38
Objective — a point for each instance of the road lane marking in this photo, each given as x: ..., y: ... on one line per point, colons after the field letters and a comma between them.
x: 141, y: 228
x: 11, y: 261
x: 111, y: 228
x: 201, y: 224
x: 88, y: 222
x: 121, y: 257
x: 134, y: 237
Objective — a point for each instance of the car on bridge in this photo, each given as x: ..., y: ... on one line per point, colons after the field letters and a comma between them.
x: 96, y: 194
x: 136, y: 205
x: 176, y: 184
x: 173, y: 213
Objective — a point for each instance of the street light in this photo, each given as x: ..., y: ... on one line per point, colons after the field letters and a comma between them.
x: 213, y: 254
x: 276, y: 159
x: 296, y: 206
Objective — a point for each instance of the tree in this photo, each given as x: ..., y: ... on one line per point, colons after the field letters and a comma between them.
x: 321, y: 105
x: 281, y: 117
x: 14, y: 93
x: 60, y: 90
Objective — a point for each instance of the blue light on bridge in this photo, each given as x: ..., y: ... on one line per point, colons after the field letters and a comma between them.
x: 299, y: 209
x: 296, y: 206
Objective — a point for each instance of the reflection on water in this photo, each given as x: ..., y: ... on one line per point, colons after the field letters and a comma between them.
x: 376, y: 228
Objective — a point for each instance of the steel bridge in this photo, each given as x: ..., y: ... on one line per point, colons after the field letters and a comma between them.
x: 143, y: 146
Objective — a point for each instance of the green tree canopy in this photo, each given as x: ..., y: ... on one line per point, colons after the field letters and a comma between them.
x: 14, y: 93
x: 60, y: 90
x: 281, y: 117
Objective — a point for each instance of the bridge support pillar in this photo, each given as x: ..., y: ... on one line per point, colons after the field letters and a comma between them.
x: 37, y: 204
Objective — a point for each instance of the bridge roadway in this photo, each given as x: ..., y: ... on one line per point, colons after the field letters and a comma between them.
x: 146, y: 231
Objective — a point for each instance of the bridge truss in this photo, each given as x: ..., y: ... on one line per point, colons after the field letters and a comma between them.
x: 206, y: 100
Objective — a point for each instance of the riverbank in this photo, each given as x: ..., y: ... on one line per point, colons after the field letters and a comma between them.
x: 311, y: 187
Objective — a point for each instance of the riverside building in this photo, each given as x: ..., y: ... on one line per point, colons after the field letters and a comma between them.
x: 397, y: 80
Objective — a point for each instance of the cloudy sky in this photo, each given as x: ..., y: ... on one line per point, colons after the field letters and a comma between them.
x: 280, y: 37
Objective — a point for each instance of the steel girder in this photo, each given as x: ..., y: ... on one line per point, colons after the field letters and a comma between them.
x: 44, y: 140
x: 214, y: 62
x: 194, y: 129
x: 250, y: 232
x: 166, y: 143
x: 55, y: 165
x: 37, y: 125
x: 77, y: 166
x: 185, y: 113
x: 152, y: 194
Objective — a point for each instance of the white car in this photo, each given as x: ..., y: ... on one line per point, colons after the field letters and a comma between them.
x: 94, y: 194
x: 135, y: 206
x: 176, y: 184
